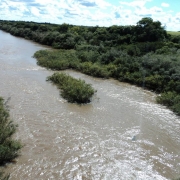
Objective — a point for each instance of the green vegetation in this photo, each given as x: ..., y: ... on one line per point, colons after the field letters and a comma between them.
x: 145, y: 54
x: 170, y: 99
x: 174, y: 33
x: 3, y: 176
x: 72, y: 89
x: 174, y: 36
x: 9, y: 148
x: 66, y: 59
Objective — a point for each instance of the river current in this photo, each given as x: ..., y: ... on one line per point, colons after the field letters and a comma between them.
x: 123, y: 134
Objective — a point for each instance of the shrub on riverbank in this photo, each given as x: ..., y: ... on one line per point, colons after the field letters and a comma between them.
x: 3, y: 176
x: 171, y: 100
x: 154, y: 71
x: 67, y: 59
x: 9, y: 148
x: 57, y: 59
x: 72, y: 89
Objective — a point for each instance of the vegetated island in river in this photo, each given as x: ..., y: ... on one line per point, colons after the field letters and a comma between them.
x: 144, y: 54
x: 9, y: 147
x: 72, y: 89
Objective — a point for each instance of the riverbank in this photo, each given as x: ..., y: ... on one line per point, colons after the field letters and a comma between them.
x: 142, y: 55
x: 66, y: 141
x: 142, y: 71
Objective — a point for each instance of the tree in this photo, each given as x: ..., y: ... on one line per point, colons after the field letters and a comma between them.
x: 149, y: 30
x: 63, y: 28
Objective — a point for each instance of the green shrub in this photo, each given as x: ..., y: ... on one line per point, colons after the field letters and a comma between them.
x: 72, y: 89
x: 3, y: 176
x: 57, y: 59
x: 171, y: 100
x: 9, y: 148
x: 94, y: 69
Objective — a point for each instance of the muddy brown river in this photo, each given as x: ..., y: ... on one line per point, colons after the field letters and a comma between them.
x: 121, y: 135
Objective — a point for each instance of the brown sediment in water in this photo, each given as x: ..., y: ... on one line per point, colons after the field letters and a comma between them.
x: 93, y: 141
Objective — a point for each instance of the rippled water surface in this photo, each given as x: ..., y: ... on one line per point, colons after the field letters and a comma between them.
x: 121, y: 135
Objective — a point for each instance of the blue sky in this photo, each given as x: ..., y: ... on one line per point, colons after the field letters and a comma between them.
x: 93, y: 12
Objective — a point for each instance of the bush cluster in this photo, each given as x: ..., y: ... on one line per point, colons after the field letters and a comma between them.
x: 73, y: 90
x: 170, y: 99
x: 9, y: 148
x: 158, y: 71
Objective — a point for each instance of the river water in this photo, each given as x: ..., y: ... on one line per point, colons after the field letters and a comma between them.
x: 121, y: 135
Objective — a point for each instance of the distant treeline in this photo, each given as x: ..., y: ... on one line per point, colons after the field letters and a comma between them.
x: 67, y: 36
x: 144, y: 54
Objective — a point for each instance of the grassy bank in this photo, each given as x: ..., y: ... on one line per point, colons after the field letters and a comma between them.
x: 73, y: 90
x: 9, y: 147
x: 170, y: 99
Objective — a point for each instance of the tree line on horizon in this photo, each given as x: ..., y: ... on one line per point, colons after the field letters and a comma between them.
x: 143, y: 54
x: 66, y: 36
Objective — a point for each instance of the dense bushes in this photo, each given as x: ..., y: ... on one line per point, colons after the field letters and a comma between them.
x: 67, y: 36
x: 154, y: 71
x: 57, y: 60
x: 64, y: 59
x: 159, y: 71
x: 72, y: 89
x: 170, y: 99
x: 9, y: 148
x: 143, y: 54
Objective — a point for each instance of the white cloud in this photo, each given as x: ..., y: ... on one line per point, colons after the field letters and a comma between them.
x: 164, y: 5
x: 135, y: 3
x: 88, y: 12
x: 102, y: 3
x: 35, y: 11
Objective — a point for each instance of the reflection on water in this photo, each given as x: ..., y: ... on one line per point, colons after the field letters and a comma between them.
x: 121, y: 134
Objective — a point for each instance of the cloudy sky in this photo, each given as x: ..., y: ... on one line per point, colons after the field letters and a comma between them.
x: 93, y: 12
